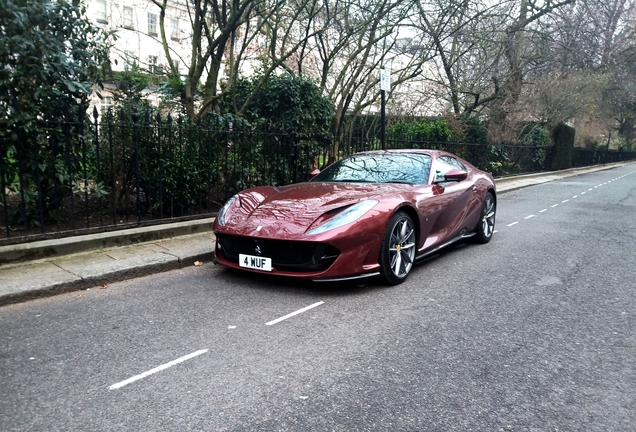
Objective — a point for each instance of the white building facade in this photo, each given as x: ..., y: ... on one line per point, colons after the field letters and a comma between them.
x: 138, y: 38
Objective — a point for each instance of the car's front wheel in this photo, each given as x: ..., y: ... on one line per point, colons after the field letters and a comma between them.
x: 486, y: 226
x: 398, y: 248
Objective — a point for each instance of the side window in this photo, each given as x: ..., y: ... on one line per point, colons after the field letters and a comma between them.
x: 455, y: 163
x: 442, y: 166
x: 445, y: 164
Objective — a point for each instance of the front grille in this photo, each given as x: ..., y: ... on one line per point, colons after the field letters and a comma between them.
x: 285, y: 255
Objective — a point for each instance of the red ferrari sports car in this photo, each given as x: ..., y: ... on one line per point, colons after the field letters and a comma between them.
x: 372, y: 213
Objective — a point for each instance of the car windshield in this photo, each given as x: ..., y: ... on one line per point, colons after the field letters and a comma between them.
x: 379, y: 168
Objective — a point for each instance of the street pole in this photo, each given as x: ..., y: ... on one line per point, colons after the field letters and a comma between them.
x: 383, y: 119
x: 385, y: 85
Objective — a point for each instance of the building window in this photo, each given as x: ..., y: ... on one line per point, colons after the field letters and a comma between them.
x: 152, y: 24
x: 174, y: 29
x: 101, y: 11
x: 105, y: 107
x: 128, y: 17
x: 107, y: 103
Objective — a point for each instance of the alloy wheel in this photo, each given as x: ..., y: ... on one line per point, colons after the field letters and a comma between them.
x: 488, y: 220
x: 402, y: 247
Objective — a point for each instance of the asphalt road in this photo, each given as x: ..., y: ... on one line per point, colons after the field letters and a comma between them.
x: 534, y: 331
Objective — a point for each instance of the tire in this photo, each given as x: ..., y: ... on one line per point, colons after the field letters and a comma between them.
x: 486, y: 225
x: 398, y: 248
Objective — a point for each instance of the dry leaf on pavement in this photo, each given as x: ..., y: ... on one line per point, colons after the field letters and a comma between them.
x: 198, y: 263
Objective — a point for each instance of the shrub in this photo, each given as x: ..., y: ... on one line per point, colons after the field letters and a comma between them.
x: 534, y: 134
x: 563, y: 136
x: 422, y: 130
x: 51, y: 58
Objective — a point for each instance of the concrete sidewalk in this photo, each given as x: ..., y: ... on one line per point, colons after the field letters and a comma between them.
x: 51, y: 267
x: 85, y: 269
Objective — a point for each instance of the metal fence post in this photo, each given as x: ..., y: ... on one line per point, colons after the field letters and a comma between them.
x: 99, y: 167
x: 160, y: 165
x: 147, y: 164
x: 135, y: 119
x: 113, y: 186
x: 180, y: 156
x: 80, y: 120
x: 171, y: 150
x: 3, y: 191
x: 125, y: 191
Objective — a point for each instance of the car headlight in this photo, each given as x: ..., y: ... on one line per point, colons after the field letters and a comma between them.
x: 349, y: 215
x: 220, y: 218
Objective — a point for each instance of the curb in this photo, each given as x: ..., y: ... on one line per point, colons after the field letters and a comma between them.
x: 118, y: 271
x: 56, y: 247
x: 527, y: 180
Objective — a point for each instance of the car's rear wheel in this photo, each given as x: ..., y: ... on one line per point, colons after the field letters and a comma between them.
x: 486, y: 226
x: 398, y: 249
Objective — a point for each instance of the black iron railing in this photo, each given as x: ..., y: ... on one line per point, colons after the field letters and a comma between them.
x: 91, y: 173
x: 582, y: 157
x: 84, y: 174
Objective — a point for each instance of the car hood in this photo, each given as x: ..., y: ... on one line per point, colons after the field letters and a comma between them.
x: 289, y: 211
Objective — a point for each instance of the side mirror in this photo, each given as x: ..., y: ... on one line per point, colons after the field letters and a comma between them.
x: 455, y: 175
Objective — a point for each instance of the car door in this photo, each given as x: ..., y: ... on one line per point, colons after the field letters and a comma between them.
x: 452, y: 200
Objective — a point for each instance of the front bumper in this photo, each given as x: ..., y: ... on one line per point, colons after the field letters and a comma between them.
x: 341, y: 258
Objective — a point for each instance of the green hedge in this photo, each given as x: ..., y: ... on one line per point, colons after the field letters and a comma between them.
x: 563, y: 137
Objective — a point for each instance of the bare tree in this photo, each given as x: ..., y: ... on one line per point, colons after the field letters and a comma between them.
x: 228, y: 33
x: 462, y: 33
x: 510, y: 60
x: 346, y: 53
x: 484, y: 51
x: 509, y: 85
x: 594, y: 38
x: 620, y: 94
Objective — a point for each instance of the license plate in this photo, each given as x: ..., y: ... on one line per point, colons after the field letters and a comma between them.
x: 255, y: 262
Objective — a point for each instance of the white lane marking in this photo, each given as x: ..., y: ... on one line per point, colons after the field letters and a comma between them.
x: 564, y: 201
x: 554, y: 205
x: 575, y: 196
x: 528, y: 217
x: 544, y: 210
x: 514, y: 223
x: 590, y: 189
x: 583, y: 193
x: 157, y: 369
x: 299, y: 311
